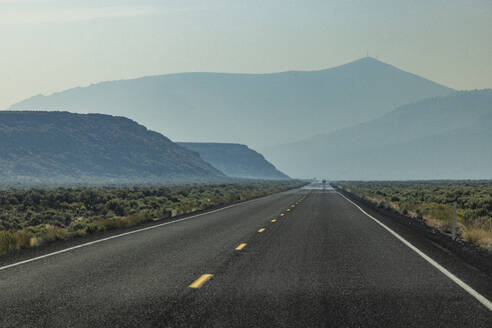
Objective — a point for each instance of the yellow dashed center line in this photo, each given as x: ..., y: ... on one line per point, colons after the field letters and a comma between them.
x: 273, y: 221
x: 240, y: 246
x: 288, y: 210
x: 293, y: 206
x: 282, y: 214
x: 261, y: 230
x: 200, y: 281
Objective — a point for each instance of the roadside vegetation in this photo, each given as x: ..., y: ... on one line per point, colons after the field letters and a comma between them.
x: 433, y: 203
x: 29, y: 218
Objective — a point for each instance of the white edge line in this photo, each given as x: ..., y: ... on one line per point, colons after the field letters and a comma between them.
x: 124, y: 234
x: 439, y: 267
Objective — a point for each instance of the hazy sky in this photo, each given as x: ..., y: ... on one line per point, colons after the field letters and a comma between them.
x: 51, y: 45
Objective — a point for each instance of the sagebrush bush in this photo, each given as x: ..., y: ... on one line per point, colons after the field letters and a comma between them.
x: 479, y: 237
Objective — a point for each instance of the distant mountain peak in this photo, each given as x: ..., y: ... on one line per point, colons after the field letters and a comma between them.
x: 365, y: 61
x: 368, y: 59
x: 370, y: 62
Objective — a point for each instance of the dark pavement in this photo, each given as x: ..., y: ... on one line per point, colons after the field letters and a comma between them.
x: 322, y: 264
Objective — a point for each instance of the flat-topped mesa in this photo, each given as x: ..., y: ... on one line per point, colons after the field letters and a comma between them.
x: 58, y: 147
x: 236, y: 160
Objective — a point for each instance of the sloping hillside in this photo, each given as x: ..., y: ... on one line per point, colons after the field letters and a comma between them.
x: 437, y: 138
x: 62, y: 147
x: 236, y: 160
x: 255, y: 109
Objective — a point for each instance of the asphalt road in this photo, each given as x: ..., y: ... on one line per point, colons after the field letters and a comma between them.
x: 320, y: 263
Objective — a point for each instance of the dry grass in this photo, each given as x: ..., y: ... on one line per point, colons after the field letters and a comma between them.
x: 437, y: 224
x: 376, y: 199
x: 7, y: 242
x: 23, y: 238
x: 52, y: 233
x: 439, y: 212
x: 438, y: 216
x: 34, y: 241
x: 479, y: 232
x: 478, y: 236
x: 121, y: 222
x: 10, y: 241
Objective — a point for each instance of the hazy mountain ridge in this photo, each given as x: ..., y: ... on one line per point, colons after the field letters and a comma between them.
x: 443, y: 137
x: 61, y: 146
x: 236, y: 160
x: 256, y: 109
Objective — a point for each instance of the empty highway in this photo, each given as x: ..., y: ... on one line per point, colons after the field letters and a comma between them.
x: 302, y: 258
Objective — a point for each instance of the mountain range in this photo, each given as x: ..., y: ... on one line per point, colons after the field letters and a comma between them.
x: 437, y: 138
x: 362, y: 120
x: 255, y: 109
x: 236, y: 160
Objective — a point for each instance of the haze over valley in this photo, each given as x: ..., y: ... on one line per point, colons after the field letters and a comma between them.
x: 436, y: 138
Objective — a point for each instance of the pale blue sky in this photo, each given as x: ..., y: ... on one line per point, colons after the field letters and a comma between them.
x: 51, y: 45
